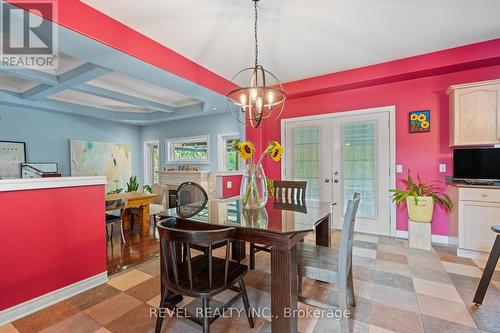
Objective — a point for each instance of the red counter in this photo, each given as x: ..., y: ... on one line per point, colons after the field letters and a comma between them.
x: 52, y: 241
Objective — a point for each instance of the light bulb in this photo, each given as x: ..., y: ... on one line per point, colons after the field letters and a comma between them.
x: 270, y: 98
x: 253, y: 94
x: 243, y: 100
x: 259, y: 102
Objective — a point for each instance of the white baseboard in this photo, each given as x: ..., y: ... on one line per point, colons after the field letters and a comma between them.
x: 36, y: 304
x: 439, y: 239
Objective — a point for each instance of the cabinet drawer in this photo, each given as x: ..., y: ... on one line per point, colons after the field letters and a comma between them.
x: 480, y: 194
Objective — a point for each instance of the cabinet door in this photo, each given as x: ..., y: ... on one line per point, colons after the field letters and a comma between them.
x: 476, y: 219
x: 477, y: 115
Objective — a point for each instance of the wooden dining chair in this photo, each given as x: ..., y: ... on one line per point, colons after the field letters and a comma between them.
x: 287, y: 193
x: 115, y: 205
x: 202, y: 276
x: 331, y: 265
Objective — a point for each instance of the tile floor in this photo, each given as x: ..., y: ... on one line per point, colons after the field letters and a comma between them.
x: 397, y: 290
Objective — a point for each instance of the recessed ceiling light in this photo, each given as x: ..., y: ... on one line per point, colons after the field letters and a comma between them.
x: 214, y: 108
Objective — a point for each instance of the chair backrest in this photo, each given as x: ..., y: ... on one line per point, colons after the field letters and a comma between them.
x: 191, y: 199
x: 115, y: 204
x: 346, y: 239
x: 162, y: 191
x: 177, y: 234
x: 289, y: 190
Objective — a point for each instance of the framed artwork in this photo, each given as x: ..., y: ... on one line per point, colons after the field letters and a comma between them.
x: 96, y: 158
x: 420, y: 121
x: 38, y: 169
x: 12, y: 154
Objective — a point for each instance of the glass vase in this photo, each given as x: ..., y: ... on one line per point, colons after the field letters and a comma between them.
x: 253, y: 191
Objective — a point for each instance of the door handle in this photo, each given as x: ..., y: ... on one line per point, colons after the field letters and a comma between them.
x: 335, y: 180
x: 327, y: 180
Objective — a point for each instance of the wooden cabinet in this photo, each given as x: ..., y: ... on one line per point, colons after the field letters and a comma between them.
x: 476, y: 210
x: 475, y: 113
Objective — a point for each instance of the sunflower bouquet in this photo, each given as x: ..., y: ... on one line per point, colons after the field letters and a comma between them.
x: 254, y: 187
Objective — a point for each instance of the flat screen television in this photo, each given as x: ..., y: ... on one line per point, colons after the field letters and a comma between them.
x: 481, y: 164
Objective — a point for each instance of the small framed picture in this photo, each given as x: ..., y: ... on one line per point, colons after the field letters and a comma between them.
x: 420, y: 121
x: 12, y: 154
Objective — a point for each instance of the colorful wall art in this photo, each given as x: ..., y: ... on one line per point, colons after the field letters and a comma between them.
x: 95, y: 158
x: 420, y: 121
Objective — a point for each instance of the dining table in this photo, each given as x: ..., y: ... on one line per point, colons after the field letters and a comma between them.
x: 138, y: 200
x: 280, y: 227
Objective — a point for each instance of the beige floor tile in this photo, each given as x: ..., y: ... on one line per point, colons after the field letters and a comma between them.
x: 436, y: 289
x: 392, y: 267
x: 427, y: 263
x: 128, y: 279
x: 443, y: 309
x: 362, y: 252
x: 406, y: 300
x: 155, y: 301
x: 9, y: 328
x: 102, y: 330
x: 112, y: 308
x: 392, y: 249
x: 395, y: 319
x: 79, y: 323
x: 481, y: 263
x: 366, y: 238
x: 376, y: 329
x: 363, y: 289
x: 468, y: 270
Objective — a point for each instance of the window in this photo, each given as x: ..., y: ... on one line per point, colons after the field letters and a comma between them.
x: 151, y: 162
x: 228, y: 158
x: 191, y: 149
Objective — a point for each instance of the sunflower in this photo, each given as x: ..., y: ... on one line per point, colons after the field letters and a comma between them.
x: 235, y: 143
x: 414, y: 117
x: 425, y: 124
x: 246, y: 150
x: 276, y: 151
x: 422, y: 117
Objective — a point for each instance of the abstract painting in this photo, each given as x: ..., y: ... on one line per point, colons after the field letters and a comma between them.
x: 420, y: 121
x: 95, y: 158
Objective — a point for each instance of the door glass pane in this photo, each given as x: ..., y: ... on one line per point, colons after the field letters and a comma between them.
x: 306, y: 162
x: 360, y: 165
x: 155, y: 163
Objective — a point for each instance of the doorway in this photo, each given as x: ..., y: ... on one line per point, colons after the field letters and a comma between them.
x: 342, y: 153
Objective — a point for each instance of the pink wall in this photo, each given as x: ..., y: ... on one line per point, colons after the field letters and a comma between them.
x: 422, y: 152
x: 50, y: 238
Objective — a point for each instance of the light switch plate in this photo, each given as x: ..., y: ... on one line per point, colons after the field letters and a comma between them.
x: 399, y: 168
x: 442, y: 167
x: 229, y: 184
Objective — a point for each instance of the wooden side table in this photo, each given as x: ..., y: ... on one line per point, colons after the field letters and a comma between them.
x: 489, y: 269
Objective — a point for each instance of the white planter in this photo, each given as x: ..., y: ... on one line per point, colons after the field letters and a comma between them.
x: 421, y: 211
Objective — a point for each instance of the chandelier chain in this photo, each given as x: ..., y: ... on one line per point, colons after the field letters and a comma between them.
x: 256, y: 18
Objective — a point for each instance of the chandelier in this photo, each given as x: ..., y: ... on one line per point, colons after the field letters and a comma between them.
x: 263, y: 98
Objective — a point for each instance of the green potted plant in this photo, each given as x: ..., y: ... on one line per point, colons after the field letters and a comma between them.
x: 420, y: 198
x: 133, y: 184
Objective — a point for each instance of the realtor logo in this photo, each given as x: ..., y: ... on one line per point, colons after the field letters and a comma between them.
x: 29, y: 36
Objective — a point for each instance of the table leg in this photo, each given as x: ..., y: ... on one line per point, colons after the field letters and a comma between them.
x: 144, y: 220
x: 323, y: 234
x: 238, y: 250
x: 127, y: 222
x: 489, y: 269
x: 284, y: 297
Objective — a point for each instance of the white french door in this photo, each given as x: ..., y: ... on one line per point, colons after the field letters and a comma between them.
x: 342, y: 154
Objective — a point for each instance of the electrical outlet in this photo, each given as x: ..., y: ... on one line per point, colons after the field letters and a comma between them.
x: 399, y: 168
x: 442, y: 168
x: 229, y: 184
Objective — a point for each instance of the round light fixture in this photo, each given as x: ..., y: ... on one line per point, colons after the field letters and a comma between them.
x: 263, y: 98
